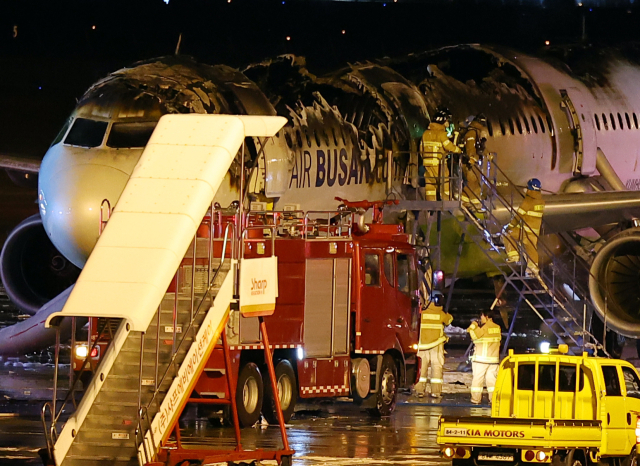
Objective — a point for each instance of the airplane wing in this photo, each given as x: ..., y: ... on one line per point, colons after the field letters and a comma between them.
x: 573, y: 211
x: 19, y: 163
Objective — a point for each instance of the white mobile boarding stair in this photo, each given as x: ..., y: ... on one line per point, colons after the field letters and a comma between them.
x: 142, y: 380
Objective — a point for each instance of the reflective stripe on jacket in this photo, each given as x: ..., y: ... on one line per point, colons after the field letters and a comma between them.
x: 531, y: 211
x: 436, y: 144
x: 433, y: 321
x: 487, y: 342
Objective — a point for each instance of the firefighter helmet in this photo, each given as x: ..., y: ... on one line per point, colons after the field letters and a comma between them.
x: 442, y: 115
x: 534, y: 184
x: 481, y: 118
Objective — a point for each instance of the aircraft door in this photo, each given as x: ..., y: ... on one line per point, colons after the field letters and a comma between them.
x: 560, y: 132
x: 586, y: 144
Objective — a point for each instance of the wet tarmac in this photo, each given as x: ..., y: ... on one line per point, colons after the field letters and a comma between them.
x: 335, y: 433
x: 329, y: 433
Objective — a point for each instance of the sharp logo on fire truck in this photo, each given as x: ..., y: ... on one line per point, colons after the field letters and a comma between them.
x: 258, y: 286
x: 257, y: 293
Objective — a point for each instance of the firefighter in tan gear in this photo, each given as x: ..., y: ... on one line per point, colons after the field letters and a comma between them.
x: 486, y: 356
x: 474, y: 139
x: 434, y: 147
x: 431, y: 347
x: 524, y: 228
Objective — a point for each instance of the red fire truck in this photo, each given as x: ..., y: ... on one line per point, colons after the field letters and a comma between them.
x: 347, y: 317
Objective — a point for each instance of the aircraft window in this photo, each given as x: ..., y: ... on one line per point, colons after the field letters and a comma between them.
x: 511, y: 126
x: 604, y: 122
x: 62, y: 132
x: 490, y: 128
x: 550, y: 125
x: 371, y: 270
x: 130, y: 134
x: 86, y: 133
x: 326, y: 137
x: 620, y: 121
x: 582, y: 115
x: 287, y: 138
x: 526, y: 124
x: 317, y: 137
x: 613, y: 121
x: 502, y: 127
x: 535, y: 126
x: 597, y: 121
x: 635, y: 120
x: 307, y: 137
x: 626, y: 116
x: 335, y: 139
x: 299, y: 138
x: 519, y: 125
x: 541, y: 124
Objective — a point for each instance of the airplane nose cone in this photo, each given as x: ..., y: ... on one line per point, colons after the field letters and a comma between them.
x: 70, y: 202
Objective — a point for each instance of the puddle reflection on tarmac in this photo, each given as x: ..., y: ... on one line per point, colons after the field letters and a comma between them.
x: 336, y: 433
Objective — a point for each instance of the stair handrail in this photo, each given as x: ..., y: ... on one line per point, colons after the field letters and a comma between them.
x: 229, y: 231
x: 50, y: 433
x: 578, y: 260
x: 557, y: 264
x: 509, y: 280
x: 56, y: 416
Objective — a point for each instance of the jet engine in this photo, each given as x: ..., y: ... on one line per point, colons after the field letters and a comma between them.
x: 614, y: 283
x: 31, y: 269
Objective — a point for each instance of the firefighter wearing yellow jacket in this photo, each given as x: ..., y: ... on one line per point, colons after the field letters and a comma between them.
x: 524, y: 228
x: 431, y: 347
x: 474, y: 138
x: 435, y: 146
x: 486, y: 356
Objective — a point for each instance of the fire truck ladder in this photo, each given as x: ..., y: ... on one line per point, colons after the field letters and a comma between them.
x: 163, y: 342
x: 554, y: 291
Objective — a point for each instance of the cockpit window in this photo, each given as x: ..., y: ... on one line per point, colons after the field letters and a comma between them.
x: 86, y: 133
x: 62, y: 132
x: 130, y: 134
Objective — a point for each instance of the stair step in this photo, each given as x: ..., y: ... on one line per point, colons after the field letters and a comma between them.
x: 102, y: 439
x: 83, y: 460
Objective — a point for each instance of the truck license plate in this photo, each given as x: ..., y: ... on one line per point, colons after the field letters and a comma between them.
x: 455, y: 432
x: 494, y: 457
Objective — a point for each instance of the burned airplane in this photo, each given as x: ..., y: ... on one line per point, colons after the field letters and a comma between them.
x: 355, y: 134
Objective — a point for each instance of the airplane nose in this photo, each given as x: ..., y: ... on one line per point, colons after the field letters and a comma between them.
x: 70, y: 206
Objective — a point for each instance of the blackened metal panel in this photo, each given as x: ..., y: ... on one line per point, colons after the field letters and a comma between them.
x: 318, y: 303
x: 341, y: 288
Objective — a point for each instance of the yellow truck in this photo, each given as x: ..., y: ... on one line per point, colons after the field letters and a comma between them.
x: 552, y: 408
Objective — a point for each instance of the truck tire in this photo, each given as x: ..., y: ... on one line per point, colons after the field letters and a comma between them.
x: 287, y: 391
x: 249, y: 395
x: 387, y: 389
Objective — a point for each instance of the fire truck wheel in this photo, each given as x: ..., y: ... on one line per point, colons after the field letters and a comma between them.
x: 249, y: 393
x: 287, y: 390
x: 387, y: 387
